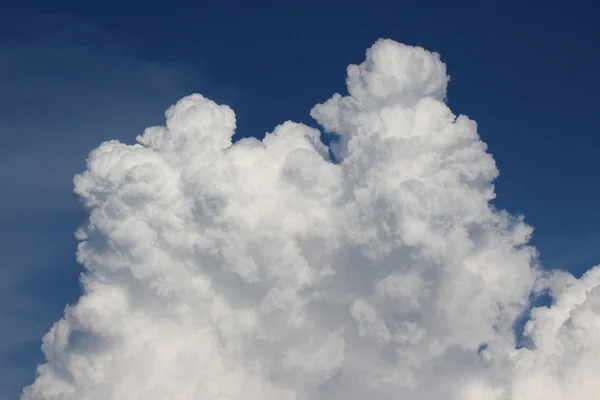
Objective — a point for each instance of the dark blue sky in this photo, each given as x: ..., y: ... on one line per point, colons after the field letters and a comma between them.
x: 77, y: 73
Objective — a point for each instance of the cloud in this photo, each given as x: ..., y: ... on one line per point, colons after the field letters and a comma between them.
x: 263, y: 270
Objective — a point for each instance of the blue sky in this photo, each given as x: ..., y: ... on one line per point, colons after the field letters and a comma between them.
x: 77, y: 73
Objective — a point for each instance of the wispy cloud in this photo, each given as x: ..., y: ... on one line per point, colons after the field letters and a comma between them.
x: 66, y: 85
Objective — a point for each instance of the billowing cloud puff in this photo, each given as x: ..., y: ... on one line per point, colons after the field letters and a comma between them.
x: 263, y: 270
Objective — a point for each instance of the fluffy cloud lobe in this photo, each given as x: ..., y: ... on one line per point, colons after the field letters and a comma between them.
x: 264, y: 270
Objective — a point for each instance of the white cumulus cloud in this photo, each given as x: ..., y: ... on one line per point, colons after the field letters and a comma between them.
x: 263, y: 270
